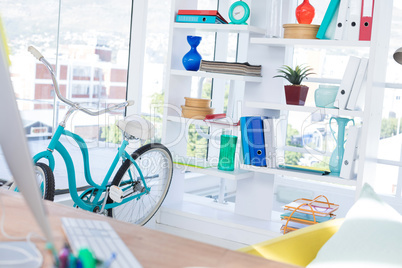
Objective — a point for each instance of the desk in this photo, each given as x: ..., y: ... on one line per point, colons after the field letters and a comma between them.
x: 151, y: 248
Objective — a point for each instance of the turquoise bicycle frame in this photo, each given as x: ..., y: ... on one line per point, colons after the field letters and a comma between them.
x: 97, y: 202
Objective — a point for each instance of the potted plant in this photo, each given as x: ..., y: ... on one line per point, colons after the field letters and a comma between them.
x: 295, y: 93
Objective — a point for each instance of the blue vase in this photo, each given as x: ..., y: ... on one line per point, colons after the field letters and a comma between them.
x: 192, y: 60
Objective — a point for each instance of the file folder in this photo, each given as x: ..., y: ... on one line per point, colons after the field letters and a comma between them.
x: 342, y: 21
x: 350, y: 154
x: 357, y: 85
x: 244, y: 121
x: 198, y: 19
x: 366, y: 20
x: 347, y: 82
x: 270, y: 141
x: 330, y: 15
x: 255, y: 135
x: 353, y: 25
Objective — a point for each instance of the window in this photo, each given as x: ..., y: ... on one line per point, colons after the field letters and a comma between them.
x: 88, y: 46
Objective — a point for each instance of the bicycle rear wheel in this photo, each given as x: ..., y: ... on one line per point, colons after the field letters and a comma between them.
x: 156, y: 164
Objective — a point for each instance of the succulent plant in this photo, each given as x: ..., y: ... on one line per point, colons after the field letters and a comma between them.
x: 294, y: 76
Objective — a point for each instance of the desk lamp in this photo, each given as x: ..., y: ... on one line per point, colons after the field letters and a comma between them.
x: 398, y: 55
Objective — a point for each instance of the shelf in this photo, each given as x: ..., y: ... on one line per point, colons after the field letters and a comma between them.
x: 237, y: 174
x: 217, y: 75
x: 302, y: 175
x: 199, y: 122
x: 308, y: 42
x: 306, y: 109
x: 220, y: 27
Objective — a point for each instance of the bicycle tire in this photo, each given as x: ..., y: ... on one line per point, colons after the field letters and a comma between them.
x: 44, y: 174
x: 158, y: 177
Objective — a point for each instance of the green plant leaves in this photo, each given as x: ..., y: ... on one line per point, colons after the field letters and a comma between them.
x: 294, y: 76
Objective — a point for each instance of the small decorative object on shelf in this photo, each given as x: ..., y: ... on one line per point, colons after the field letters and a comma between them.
x: 325, y: 96
x: 305, y: 12
x: 335, y: 162
x: 227, y: 152
x: 275, y: 19
x: 192, y: 59
x: 295, y: 93
x: 300, y: 31
x: 304, y: 212
x: 239, y: 12
x: 196, y: 108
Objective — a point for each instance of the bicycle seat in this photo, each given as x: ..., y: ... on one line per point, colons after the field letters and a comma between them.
x: 137, y: 126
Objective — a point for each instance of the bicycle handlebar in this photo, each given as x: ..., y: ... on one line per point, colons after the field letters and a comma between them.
x: 40, y: 57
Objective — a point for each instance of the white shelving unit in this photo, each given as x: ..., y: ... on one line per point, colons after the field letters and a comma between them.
x: 262, y: 96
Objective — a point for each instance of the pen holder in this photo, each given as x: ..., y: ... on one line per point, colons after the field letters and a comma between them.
x: 227, y: 152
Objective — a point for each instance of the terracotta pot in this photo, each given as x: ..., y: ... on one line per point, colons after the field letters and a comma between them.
x: 296, y: 94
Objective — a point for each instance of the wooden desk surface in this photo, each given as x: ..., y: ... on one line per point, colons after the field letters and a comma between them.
x: 151, y: 248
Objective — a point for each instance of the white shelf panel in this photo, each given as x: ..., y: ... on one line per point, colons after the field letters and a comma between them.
x: 306, y: 109
x: 307, y: 42
x: 199, y: 122
x: 220, y: 27
x: 301, y: 175
x: 216, y: 75
x: 237, y: 174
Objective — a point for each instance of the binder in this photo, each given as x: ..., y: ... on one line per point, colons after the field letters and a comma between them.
x: 330, y: 15
x: 244, y: 121
x: 198, y: 19
x: 347, y: 82
x: 270, y: 141
x: 366, y: 20
x: 353, y: 25
x: 202, y: 12
x: 357, y: 85
x: 342, y: 20
x: 255, y: 134
x: 350, y: 154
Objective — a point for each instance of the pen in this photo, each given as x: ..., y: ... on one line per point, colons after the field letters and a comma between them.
x: 108, y: 262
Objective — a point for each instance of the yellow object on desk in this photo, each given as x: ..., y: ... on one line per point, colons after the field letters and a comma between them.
x: 4, y: 40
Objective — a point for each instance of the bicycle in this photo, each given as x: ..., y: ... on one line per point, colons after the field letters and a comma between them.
x: 140, y: 184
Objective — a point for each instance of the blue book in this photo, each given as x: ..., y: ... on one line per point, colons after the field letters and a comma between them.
x: 244, y: 140
x: 330, y: 15
x: 303, y: 216
x: 198, y: 19
x: 255, y: 133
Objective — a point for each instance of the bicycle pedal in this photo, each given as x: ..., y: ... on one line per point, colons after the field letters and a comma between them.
x: 116, y: 194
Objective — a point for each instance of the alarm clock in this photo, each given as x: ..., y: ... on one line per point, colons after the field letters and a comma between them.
x: 239, y: 12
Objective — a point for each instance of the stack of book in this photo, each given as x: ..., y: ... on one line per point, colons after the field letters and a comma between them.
x: 230, y: 68
x: 200, y: 16
x: 304, y: 212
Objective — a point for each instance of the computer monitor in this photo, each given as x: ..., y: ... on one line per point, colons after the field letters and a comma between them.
x: 15, y: 147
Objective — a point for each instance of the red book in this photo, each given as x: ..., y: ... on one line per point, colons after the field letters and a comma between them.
x: 201, y: 12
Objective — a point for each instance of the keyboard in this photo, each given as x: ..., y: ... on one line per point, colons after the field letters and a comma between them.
x: 101, y: 239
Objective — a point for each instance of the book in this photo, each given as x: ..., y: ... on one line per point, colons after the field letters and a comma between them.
x: 199, y: 19
x: 201, y: 12
x: 305, y: 217
x: 236, y: 68
x: 330, y: 15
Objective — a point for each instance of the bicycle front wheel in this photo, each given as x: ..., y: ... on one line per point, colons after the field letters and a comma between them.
x: 156, y: 165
